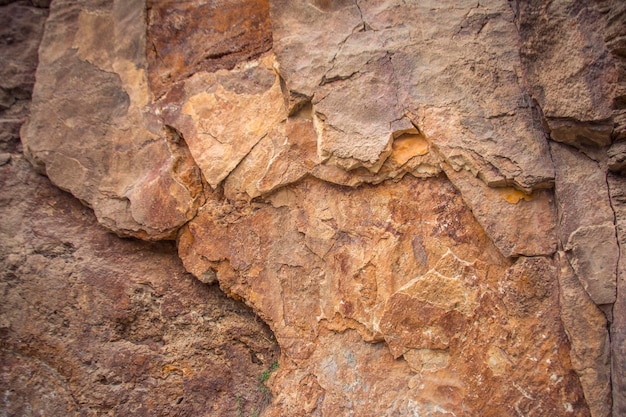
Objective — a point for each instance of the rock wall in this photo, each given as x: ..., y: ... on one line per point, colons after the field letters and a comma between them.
x: 424, y: 201
x: 91, y: 324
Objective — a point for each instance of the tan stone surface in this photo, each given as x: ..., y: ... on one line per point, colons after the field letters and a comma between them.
x: 586, y: 227
x: 222, y: 123
x: 387, y: 62
x: 337, y: 271
x: 93, y: 88
x: 586, y: 327
x: 510, y: 217
x: 377, y: 180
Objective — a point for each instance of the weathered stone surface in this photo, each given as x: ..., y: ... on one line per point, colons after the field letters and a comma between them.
x: 21, y: 29
x: 617, y: 189
x: 586, y: 221
x: 223, y: 122
x: 577, y: 80
x: 93, y: 325
x: 510, y: 217
x: 194, y: 36
x: 615, y: 39
x: 589, y: 265
x: 333, y: 270
x: 577, y: 98
x: 372, y: 178
x: 385, y: 64
x: 617, y: 157
x: 93, y: 87
x: 586, y: 327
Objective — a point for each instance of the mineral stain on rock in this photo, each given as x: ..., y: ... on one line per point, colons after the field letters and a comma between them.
x: 422, y: 202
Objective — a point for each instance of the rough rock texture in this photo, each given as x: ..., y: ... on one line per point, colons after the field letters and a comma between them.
x: 384, y: 63
x: 187, y: 37
x: 586, y: 221
x: 94, y: 325
x: 420, y: 199
x: 21, y: 29
x: 93, y: 84
x: 583, y: 107
x: 402, y: 263
x: 617, y: 187
x: 576, y: 33
x: 586, y: 326
x: 588, y: 267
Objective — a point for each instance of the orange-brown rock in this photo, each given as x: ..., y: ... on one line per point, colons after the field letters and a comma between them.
x: 380, y: 181
x: 336, y: 272
x: 93, y: 85
x: 189, y: 37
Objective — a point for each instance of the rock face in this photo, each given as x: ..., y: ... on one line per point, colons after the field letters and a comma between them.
x: 94, y: 325
x: 405, y: 264
x: 424, y: 202
x: 135, y: 172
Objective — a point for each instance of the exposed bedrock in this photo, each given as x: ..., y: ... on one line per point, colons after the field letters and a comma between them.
x: 424, y: 201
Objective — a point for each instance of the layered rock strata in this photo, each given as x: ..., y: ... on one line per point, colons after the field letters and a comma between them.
x: 419, y: 199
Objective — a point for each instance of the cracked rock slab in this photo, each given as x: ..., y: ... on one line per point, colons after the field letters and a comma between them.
x: 349, y: 279
x: 587, y: 225
x: 91, y: 130
x: 452, y: 69
x: 92, y: 324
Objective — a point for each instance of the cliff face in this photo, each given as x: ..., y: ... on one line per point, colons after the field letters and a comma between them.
x: 424, y: 202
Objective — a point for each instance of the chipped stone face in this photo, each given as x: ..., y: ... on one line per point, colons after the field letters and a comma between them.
x: 94, y: 86
x: 510, y: 217
x: 190, y: 37
x: 586, y: 326
x: 221, y: 123
x: 586, y: 227
x: 404, y: 264
x: 380, y: 181
x: 576, y: 99
x: 388, y: 63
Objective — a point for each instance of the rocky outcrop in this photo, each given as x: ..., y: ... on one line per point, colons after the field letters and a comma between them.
x: 405, y: 264
x: 419, y: 200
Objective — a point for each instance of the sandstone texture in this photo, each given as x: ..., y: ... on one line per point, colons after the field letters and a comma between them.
x: 134, y: 172
x: 424, y: 201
